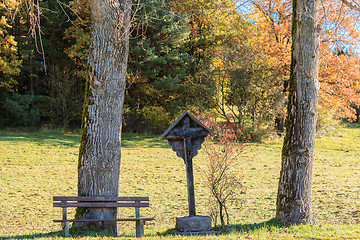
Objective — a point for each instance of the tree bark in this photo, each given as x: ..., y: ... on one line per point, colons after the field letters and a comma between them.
x: 100, y: 155
x: 294, y: 192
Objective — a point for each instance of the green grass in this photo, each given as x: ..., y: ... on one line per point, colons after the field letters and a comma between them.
x: 34, y: 166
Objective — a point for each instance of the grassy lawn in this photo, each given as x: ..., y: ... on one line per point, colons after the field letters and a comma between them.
x: 34, y: 166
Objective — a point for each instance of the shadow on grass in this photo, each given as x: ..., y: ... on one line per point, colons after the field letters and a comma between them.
x: 42, y: 138
x: 35, y: 235
x: 244, y: 228
x: 351, y: 125
x: 68, y: 139
x: 132, y: 140
x: 251, y: 227
x: 74, y: 233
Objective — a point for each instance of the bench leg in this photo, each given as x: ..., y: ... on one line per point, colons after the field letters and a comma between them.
x: 140, y: 228
x: 66, y: 223
x: 66, y: 229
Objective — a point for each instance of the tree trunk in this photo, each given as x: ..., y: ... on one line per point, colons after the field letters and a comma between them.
x: 294, y: 193
x: 99, y: 155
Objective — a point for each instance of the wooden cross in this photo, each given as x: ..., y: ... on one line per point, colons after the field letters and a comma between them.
x: 185, y: 136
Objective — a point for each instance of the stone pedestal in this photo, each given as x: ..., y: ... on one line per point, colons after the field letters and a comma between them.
x: 193, y: 224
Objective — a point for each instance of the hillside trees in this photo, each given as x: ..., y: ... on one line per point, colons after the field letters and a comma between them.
x: 230, y: 58
x: 159, y: 68
x: 38, y: 92
x: 209, y: 44
x: 211, y: 23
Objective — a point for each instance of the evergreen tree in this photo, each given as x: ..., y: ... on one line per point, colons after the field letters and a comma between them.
x: 158, y: 67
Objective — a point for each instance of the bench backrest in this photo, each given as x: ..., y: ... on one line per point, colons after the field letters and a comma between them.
x: 101, y: 202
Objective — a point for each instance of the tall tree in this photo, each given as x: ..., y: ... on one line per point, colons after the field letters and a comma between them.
x: 100, y: 155
x: 294, y: 192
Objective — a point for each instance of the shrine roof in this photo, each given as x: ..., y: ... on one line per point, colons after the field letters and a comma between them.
x: 178, y: 120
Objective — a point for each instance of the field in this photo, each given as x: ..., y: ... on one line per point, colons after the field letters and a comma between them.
x: 34, y: 166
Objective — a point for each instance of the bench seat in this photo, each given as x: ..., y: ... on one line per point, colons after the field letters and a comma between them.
x: 103, y: 202
x: 105, y: 220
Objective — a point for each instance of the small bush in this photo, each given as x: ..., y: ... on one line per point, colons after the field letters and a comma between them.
x: 224, y: 185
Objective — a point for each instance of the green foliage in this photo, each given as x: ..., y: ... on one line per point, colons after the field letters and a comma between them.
x: 21, y: 110
x: 37, y: 52
x: 158, y: 63
x: 149, y: 119
x: 77, y: 36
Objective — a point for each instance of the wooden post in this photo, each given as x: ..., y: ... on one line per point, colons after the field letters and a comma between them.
x: 66, y: 223
x: 139, y: 223
x: 190, y: 181
x: 185, y: 136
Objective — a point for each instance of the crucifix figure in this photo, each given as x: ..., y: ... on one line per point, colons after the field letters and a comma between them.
x: 185, y: 136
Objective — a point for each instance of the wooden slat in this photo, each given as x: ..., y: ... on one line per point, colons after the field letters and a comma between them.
x: 105, y: 220
x: 99, y: 199
x: 99, y: 204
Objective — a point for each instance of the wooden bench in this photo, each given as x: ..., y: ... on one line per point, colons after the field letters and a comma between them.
x: 103, y: 202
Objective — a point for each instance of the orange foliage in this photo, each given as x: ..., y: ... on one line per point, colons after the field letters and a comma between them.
x: 212, y: 20
x: 272, y: 20
x: 339, y: 75
x: 340, y: 83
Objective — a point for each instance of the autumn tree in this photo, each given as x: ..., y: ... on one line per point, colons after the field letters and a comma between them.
x: 339, y: 73
x: 248, y: 82
x: 9, y: 62
x: 294, y: 192
x: 272, y: 19
x: 211, y: 25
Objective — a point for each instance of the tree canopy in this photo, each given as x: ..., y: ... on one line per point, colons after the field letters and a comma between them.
x: 221, y: 56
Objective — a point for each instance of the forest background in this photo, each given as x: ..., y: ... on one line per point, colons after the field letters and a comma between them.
x: 225, y: 56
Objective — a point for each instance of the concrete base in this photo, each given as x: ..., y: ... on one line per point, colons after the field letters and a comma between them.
x: 211, y: 232
x: 193, y: 224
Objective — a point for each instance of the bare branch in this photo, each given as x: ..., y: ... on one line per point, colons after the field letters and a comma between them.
x: 354, y: 5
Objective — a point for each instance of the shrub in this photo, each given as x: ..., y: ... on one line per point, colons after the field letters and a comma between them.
x: 224, y: 185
